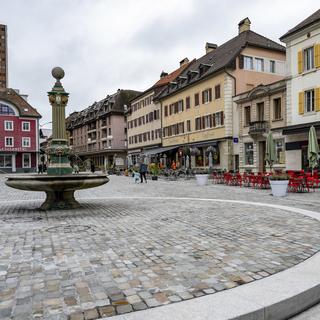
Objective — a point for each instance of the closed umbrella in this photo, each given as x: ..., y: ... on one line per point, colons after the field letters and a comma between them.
x: 313, y: 148
x: 271, y: 155
x: 210, y: 160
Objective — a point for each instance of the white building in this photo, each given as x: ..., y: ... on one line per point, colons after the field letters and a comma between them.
x: 303, y: 88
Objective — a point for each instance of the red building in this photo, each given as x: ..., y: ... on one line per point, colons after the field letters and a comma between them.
x: 19, y: 135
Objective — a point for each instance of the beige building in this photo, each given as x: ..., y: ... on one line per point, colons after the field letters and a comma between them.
x: 198, y: 109
x: 144, y: 119
x: 260, y: 110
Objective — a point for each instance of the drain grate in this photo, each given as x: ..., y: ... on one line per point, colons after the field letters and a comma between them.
x: 69, y: 228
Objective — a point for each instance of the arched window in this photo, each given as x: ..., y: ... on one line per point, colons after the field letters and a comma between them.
x: 5, y: 109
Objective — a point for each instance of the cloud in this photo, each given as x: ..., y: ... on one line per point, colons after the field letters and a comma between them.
x: 104, y: 45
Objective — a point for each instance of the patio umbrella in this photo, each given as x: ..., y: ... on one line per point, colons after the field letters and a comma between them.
x: 271, y: 155
x: 210, y: 160
x: 313, y: 148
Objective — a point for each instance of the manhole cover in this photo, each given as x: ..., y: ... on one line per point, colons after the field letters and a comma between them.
x: 68, y: 228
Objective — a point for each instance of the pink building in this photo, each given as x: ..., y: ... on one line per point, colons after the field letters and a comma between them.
x: 19, y: 141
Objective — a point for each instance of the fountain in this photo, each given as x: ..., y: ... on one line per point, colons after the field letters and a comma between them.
x: 59, y: 183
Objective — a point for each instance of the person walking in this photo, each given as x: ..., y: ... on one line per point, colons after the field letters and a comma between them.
x: 76, y: 168
x: 143, y: 170
x: 92, y: 167
x: 40, y: 168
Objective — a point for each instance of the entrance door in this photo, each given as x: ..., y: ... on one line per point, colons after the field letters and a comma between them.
x: 304, y: 158
x: 262, y: 154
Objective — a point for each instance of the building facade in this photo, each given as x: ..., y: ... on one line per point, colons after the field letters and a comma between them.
x: 98, y: 133
x: 303, y: 88
x: 3, y: 57
x: 198, y: 109
x: 144, y: 119
x: 260, y: 110
x: 19, y: 135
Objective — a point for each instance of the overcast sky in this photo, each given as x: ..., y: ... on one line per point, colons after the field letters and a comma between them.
x: 104, y: 45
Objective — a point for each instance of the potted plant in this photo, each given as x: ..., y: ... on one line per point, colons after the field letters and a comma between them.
x: 154, y: 169
x: 279, y: 184
x: 202, y: 177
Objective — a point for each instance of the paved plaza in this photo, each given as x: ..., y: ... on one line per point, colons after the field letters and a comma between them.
x: 137, y: 246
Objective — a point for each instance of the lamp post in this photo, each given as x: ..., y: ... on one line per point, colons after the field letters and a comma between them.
x: 58, y: 149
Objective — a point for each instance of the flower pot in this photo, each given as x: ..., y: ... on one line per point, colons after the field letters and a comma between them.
x: 154, y: 178
x: 202, y: 179
x: 279, y: 187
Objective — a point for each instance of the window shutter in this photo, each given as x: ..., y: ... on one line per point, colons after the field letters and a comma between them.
x: 203, y: 125
x: 317, y: 99
x: 202, y: 97
x: 241, y: 61
x: 210, y: 94
x: 300, y: 63
x: 214, y: 120
x: 222, y: 118
x: 182, y: 105
x: 301, y: 102
x: 317, y: 55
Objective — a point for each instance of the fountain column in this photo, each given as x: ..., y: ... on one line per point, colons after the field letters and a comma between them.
x: 58, y: 150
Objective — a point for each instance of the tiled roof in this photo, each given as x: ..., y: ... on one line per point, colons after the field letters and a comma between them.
x: 25, y: 109
x: 305, y: 23
x: 223, y: 56
x: 111, y: 103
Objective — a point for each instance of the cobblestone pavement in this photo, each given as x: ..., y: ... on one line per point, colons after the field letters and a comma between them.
x: 117, y: 255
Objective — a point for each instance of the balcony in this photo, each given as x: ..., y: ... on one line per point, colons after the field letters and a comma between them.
x: 258, y: 128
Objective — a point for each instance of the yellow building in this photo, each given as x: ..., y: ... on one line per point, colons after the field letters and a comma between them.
x: 198, y: 112
x: 144, y: 118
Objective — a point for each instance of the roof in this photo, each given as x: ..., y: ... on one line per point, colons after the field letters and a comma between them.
x: 222, y: 57
x: 315, y: 17
x: 24, y: 108
x: 114, y: 103
x: 165, y: 80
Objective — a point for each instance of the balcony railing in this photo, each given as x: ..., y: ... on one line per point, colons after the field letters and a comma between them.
x: 258, y: 127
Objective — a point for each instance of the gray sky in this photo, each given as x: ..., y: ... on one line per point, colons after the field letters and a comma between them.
x: 104, y: 45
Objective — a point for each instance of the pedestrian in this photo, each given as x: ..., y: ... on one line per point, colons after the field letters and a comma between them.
x: 143, y: 170
x: 76, y: 168
x: 44, y: 167
x: 40, y: 168
x: 92, y: 167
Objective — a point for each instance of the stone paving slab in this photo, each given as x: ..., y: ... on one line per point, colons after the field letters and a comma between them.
x: 115, y: 256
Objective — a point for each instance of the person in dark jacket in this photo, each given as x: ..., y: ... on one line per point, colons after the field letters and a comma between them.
x: 92, y: 167
x: 143, y: 170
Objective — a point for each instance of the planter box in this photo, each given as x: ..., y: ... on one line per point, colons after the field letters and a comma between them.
x: 202, y: 179
x: 154, y: 178
x: 279, y: 187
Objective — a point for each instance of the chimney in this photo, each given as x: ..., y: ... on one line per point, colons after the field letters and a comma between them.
x: 163, y: 74
x: 244, y: 25
x: 210, y: 47
x: 184, y: 61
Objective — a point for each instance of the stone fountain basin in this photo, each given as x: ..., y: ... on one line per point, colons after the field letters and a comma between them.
x: 58, y: 188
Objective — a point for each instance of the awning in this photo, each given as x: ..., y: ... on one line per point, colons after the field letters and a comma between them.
x: 300, y: 128
x: 157, y: 150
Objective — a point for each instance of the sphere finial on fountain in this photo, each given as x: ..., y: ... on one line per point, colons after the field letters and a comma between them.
x: 57, y: 73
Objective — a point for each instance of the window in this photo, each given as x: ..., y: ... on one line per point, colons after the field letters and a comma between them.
x: 277, y: 109
x: 248, y: 63
x: 309, y: 101
x: 25, y: 126
x: 109, y: 131
x: 208, y: 121
x: 188, y: 125
x: 26, y: 160
x: 180, y: 106
x: 248, y: 153
x: 247, y: 116
x: 280, y: 151
x: 272, y: 66
x: 196, y: 99
x: 165, y: 111
x: 9, y: 141
x: 26, y: 142
x: 259, y: 64
x: 260, y: 111
x: 217, y: 93
x: 8, y: 125
x: 187, y: 102
x: 206, y: 96
x: 5, y: 161
x: 308, y: 59
x: 198, y: 123
x: 218, y: 119
x: 5, y: 109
